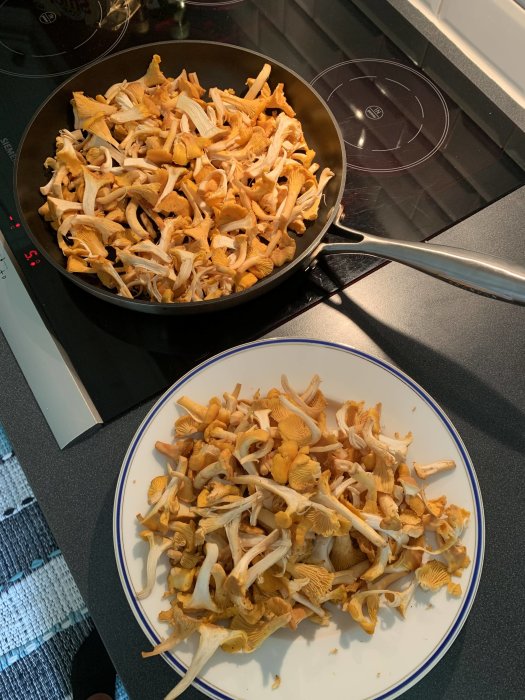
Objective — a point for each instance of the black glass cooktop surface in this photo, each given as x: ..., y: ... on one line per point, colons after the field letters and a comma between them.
x: 425, y: 149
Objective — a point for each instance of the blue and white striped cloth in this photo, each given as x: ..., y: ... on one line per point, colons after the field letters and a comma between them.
x: 43, y: 618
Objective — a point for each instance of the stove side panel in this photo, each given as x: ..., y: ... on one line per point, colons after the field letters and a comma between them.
x: 60, y: 394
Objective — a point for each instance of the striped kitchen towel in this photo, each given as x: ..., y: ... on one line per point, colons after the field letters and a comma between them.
x: 43, y: 618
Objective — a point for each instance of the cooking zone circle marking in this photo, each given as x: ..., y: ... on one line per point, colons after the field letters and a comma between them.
x: 392, y: 117
x: 53, y: 33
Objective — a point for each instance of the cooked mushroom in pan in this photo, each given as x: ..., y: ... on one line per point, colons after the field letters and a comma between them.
x: 266, y: 515
x: 170, y: 197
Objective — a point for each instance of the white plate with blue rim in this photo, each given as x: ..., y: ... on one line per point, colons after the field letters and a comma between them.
x: 339, y: 660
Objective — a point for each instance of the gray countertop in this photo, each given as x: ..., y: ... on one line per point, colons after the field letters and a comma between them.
x: 467, y: 65
x: 467, y: 351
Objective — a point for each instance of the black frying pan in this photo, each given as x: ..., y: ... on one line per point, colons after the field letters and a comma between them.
x: 225, y: 66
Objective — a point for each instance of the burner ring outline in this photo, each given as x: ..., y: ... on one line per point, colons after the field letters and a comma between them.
x: 70, y: 70
x: 418, y: 74
x: 202, y: 3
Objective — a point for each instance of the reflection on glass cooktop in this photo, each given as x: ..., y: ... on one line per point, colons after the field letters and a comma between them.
x: 425, y: 149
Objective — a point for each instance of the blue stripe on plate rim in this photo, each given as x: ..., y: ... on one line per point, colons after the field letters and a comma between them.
x: 453, y: 630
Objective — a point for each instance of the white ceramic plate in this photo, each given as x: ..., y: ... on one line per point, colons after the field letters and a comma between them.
x: 400, y: 652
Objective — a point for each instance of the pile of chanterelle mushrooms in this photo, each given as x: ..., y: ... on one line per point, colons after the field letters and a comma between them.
x: 266, y: 515
x: 169, y: 197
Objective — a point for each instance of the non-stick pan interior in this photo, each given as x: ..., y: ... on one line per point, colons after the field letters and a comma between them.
x: 216, y: 64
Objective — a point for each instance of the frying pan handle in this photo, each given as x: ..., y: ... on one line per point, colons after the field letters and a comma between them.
x: 475, y: 272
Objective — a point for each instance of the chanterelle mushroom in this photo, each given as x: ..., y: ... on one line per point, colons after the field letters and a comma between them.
x: 201, y: 597
x: 426, y: 470
x: 211, y: 638
x: 246, y: 180
x: 325, y: 514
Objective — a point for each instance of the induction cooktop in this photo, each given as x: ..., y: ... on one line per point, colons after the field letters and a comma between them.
x: 424, y: 147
